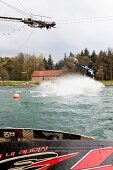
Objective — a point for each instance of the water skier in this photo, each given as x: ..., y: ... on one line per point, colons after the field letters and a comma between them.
x: 89, y: 71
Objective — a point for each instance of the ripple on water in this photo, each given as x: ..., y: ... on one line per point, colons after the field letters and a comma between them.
x: 73, y: 103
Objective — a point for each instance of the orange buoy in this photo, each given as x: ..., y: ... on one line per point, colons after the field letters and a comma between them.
x: 16, y: 96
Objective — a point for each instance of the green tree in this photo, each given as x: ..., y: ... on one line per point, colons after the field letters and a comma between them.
x: 60, y: 65
x: 29, y: 66
x: 110, y: 63
x: 86, y: 52
x: 69, y: 64
x: 71, y: 54
x: 82, y: 53
x: 40, y: 62
x: 93, y: 56
x: 101, y: 66
x: 33, y: 63
x: 50, y: 63
x: 4, y: 65
x: 4, y: 74
x: 17, y: 69
x: 45, y: 64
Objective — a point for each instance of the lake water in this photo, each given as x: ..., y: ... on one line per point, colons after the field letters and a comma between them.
x: 72, y: 104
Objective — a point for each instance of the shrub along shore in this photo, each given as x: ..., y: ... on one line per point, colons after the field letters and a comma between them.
x: 19, y: 83
x: 107, y: 82
x: 33, y: 83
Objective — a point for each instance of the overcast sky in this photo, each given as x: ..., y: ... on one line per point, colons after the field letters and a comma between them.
x: 80, y: 24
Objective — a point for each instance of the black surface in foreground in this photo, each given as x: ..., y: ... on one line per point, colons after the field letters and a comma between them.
x: 31, y: 149
x: 56, y: 155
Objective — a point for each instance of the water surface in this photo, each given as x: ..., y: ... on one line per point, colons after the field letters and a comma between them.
x: 72, y: 104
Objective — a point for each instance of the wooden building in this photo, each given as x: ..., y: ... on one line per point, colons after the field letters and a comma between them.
x: 46, y: 75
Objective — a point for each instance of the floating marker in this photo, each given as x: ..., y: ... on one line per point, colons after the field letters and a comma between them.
x: 16, y: 96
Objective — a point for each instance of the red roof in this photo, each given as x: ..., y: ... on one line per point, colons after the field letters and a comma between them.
x: 47, y: 73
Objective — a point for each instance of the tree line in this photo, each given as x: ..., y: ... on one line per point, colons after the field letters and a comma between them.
x: 22, y: 66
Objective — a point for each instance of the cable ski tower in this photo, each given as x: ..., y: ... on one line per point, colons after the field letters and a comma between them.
x: 34, y: 23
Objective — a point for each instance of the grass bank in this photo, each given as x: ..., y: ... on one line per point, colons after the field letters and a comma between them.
x: 33, y: 83
x: 107, y: 82
x: 19, y: 83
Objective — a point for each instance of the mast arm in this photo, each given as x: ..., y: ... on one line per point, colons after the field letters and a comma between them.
x: 30, y: 22
x: 11, y: 18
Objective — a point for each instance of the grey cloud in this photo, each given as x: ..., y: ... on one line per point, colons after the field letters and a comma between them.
x: 80, y: 24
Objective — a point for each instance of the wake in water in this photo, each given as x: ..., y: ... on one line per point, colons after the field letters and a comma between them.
x: 71, y: 85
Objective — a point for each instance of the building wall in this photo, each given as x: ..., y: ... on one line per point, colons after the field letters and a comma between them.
x: 43, y: 78
x: 46, y: 75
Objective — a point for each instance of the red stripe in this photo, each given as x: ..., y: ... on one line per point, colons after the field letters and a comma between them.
x: 50, y: 162
x: 93, y: 159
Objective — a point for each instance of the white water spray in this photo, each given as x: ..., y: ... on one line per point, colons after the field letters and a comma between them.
x: 71, y: 85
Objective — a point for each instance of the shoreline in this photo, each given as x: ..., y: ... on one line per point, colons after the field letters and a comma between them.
x: 19, y: 83
x: 34, y: 83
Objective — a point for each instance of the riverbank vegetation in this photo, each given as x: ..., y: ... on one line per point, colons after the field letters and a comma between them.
x: 20, y: 67
x: 33, y: 83
x: 19, y: 83
x: 107, y: 82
